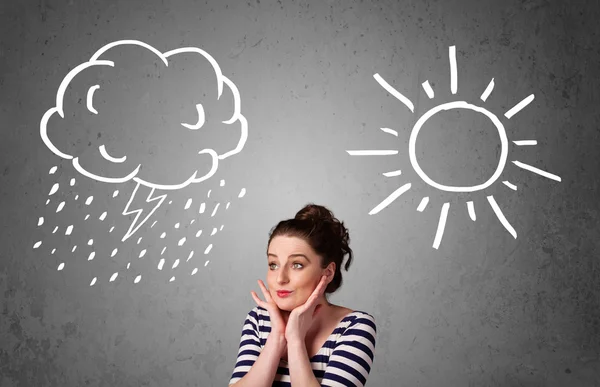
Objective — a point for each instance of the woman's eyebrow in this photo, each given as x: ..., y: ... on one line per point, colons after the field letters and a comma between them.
x: 300, y: 255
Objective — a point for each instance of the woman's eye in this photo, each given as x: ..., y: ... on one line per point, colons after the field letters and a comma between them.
x: 274, y: 264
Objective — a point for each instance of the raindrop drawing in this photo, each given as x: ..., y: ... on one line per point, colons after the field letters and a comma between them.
x: 419, y: 171
x: 132, y: 166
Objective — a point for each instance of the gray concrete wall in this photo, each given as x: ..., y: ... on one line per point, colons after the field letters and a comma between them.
x: 483, y: 309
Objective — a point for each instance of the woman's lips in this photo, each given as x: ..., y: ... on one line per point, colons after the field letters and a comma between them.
x: 283, y: 294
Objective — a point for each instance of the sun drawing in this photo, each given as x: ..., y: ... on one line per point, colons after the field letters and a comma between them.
x: 415, y: 164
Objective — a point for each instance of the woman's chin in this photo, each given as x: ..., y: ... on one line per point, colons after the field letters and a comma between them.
x: 284, y: 306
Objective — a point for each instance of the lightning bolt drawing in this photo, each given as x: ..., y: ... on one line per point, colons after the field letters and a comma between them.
x: 133, y: 228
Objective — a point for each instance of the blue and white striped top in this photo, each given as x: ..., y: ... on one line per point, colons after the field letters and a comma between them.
x: 344, y: 360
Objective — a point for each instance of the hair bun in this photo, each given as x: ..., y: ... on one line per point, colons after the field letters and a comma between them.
x: 315, y: 213
x: 321, y: 216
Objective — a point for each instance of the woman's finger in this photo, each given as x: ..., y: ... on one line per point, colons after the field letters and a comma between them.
x: 314, y: 297
x: 322, y: 286
x: 319, y: 289
x: 258, y: 301
x: 265, y: 291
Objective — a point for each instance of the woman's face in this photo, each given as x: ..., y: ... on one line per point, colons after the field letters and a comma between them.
x: 293, y: 265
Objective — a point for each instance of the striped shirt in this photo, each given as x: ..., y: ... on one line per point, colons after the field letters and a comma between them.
x: 344, y: 360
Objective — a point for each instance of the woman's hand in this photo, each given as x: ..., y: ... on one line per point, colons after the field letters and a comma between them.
x: 277, y: 323
x: 301, y: 318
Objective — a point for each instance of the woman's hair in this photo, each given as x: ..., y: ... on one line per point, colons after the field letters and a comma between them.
x: 325, y: 234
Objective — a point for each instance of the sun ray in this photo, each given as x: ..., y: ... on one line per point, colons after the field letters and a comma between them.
x: 386, y: 202
x: 390, y: 131
x: 525, y: 142
x: 428, y: 89
x: 394, y: 92
x: 441, y: 225
x: 423, y: 204
x: 488, y: 90
x: 518, y: 107
x: 471, y: 210
x: 392, y: 173
x: 509, y: 185
x: 501, y: 217
x: 453, y: 82
x: 536, y: 170
x: 372, y: 152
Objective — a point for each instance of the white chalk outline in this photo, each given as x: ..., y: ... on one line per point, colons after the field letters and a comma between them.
x: 488, y: 91
x: 423, y: 204
x: 520, y: 106
x: 501, y: 217
x: 108, y: 157
x: 90, y: 99
x: 441, y: 225
x: 525, y: 142
x: 393, y: 196
x: 372, y: 152
x: 460, y: 105
x: 412, y: 149
x: 392, y: 173
x: 453, y: 75
x: 509, y: 185
x: 390, y: 131
x: 537, y: 170
x: 471, y: 210
x: 394, y: 92
x: 95, y: 61
x: 428, y: 89
x: 59, y: 103
x: 201, y: 118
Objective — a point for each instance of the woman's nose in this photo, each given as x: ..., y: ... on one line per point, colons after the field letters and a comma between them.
x: 282, y: 277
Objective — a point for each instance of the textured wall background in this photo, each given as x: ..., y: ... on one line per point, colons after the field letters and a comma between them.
x: 484, y: 309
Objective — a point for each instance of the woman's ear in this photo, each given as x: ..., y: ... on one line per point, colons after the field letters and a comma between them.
x: 330, y: 272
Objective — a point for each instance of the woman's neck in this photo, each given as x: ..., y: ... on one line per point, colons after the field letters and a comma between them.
x: 326, y: 309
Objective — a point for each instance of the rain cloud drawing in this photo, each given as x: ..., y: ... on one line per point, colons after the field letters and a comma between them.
x: 155, y: 137
x: 415, y: 163
x: 134, y: 167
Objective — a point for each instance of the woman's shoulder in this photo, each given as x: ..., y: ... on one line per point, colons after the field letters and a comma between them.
x: 258, y: 313
x: 358, y: 319
x: 350, y: 313
x: 358, y: 326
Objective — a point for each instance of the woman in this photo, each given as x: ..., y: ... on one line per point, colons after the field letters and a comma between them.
x: 295, y: 335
